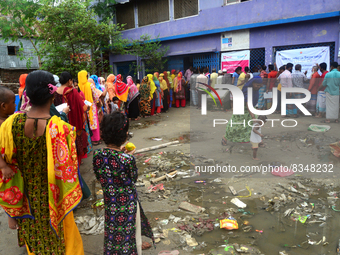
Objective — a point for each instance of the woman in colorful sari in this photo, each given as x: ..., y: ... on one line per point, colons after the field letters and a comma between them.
x: 152, y: 93
x: 145, y: 97
x: 132, y: 105
x: 92, y: 96
x: 110, y: 88
x: 170, y: 89
x: 77, y: 112
x: 39, y: 179
x: 179, y: 88
x: 101, y: 81
x: 241, y: 133
x: 121, y: 89
x: 22, y: 82
x: 96, y: 82
x: 159, y: 95
x: 163, y: 79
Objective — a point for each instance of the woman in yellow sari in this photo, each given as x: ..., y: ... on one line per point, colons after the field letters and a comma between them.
x: 39, y: 179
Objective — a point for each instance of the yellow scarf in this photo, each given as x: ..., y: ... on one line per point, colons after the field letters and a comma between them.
x: 152, y: 85
x: 64, y: 190
x: 85, y: 87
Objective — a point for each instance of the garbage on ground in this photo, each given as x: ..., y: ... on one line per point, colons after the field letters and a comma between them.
x: 238, y: 203
x: 163, y: 177
x: 249, y: 194
x: 191, y: 208
x: 156, y: 187
x: 200, y: 181
x: 90, y: 225
x: 157, y: 139
x: 191, y: 241
x: 282, y: 171
x: 164, y: 222
x: 318, y: 128
x: 335, y: 149
x: 232, y: 190
x: 98, y: 204
x: 175, y: 252
x: 145, y: 245
x: 229, y: 224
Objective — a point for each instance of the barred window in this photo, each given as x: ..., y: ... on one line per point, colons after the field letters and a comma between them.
x: 185, y: 8
x: 152, y: 11
x: 234, y: 1
x: 125, y: 14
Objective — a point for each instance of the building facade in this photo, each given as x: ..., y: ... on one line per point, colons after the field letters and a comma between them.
x: 199, y: 31
x: 13, y: 62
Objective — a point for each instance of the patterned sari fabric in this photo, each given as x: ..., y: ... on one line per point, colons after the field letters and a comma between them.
x: 49, y: 183
x: 117, y: 173
x: 144, y: 105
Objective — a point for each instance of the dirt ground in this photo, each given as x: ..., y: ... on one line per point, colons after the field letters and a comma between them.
x: 200, y: 145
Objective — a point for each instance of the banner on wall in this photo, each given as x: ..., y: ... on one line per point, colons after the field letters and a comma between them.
x: 306, y: 57
x: 231, y: 60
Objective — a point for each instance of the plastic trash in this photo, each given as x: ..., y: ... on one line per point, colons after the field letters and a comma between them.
x: 229, y: 224
x: 164, y: 222
x: 318, y: 128
x: 200, y: 181
x: 157, y: 139
x: 175, y: 252
x: 191, y: 241
x: 238, y: 203
x: 282, y: 171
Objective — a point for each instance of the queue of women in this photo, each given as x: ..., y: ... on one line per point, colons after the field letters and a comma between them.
x: 59, y: 121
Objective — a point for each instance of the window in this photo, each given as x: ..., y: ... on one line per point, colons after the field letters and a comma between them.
x: 13, y: 50
x: 152, y: 11
x: 234, y: 1
x: 125, y: 14
x: 185, y: 8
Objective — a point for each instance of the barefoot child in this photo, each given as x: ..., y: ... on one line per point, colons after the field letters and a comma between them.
x: 117, y: 172
x: 256, y: 136
x: 7, y: 103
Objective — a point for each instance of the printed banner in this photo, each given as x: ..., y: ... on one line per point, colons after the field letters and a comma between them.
x: 306, y: 57
x: 231, y: 60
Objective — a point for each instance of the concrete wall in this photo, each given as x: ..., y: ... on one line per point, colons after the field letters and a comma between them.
x: 8, y: 61
x: 253, y: 11
x: 318, y: 31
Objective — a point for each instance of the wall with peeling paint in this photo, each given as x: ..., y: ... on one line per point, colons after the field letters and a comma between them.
x: 308, y: 32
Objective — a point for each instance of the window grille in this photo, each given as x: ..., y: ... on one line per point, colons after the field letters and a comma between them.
x: 185, y: 8
x: 257, y: 57
x: 125, y: 14
x: 152, y: 11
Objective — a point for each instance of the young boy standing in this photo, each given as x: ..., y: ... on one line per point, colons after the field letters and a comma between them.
x: 7, y: 103
x: 256, y: 135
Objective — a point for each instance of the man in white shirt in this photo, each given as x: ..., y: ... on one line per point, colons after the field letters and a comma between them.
x: 201, y: 79
x: 286, y: 82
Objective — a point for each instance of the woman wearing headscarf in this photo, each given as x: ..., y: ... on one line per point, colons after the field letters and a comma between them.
x: 101, y: 81
x: 92, y: 96
x: 152, y: 93
x: 39, y: 178
x: 159, y: 95
x: 110, y: 88
x: 22, y: 82
x: 163, y: 79
x: 132, y: 105
x: 170, y: 89
x: 179, y: 89
x: 241, y: 133
x: 145, y: 97
x: 121, y: 89
x: 96, y: 82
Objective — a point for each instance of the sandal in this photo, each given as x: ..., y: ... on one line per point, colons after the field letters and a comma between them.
x: 97, y: 143
x: 325, y: 121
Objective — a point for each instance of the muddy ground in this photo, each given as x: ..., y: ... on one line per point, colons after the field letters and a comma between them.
x: 263, y: 226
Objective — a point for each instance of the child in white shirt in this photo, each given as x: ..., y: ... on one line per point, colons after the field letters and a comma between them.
x: 256, y: 136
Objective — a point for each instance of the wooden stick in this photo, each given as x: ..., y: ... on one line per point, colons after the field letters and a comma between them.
x: 156, y: 147
x: 162, y: 177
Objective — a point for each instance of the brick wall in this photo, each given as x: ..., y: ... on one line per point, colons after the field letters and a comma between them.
x: 12, y: 75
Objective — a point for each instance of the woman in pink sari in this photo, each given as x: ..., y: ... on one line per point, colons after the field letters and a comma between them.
x: 133, y: 103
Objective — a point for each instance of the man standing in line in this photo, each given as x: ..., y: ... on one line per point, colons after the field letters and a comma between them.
x: 200, y: 79
x: 321, y: 95
x: 193, y: 89
x: 213, y: 78
x: 332, y: 84
x: 286, y: 82
x: 219, y: 79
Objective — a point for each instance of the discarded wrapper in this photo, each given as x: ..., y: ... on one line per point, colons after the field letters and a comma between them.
x: 238, y: 203
x: 229, y: 224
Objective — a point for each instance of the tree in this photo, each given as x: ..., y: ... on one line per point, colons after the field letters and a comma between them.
x: 150, y: 51
x: 18, y: 20
x: 73, y: 40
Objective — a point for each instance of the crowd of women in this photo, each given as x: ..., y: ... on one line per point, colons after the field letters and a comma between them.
x: 59, y: 121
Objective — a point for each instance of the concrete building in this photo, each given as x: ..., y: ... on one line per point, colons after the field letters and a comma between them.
x: 13, y: 62
x: 199, y: 31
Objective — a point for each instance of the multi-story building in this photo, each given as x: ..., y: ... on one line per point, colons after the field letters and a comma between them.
x: 199, y: 31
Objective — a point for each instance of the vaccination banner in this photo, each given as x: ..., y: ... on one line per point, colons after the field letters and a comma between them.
x: 231, y: 60
x: 306, y: 57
